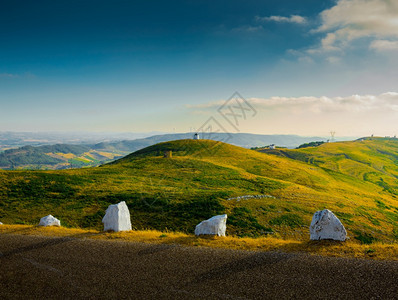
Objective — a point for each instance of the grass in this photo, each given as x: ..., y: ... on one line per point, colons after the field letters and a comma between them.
x: 194, y: 184
x: 377, y: 251
x: 54, y: 157
x: 291, y: 220
x: 373, y: 160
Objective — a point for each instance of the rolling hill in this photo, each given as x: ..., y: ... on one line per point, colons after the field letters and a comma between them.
x: 372, y: 160
x: 205, y: 177
x: 64, y: 156
x: 59, y: 156
x: 246, y: 140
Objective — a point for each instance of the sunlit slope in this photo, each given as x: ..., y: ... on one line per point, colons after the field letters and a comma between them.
x: 251, y: 164
x: 373, y: 160
x: 196, y: 183
x: 55, y: 157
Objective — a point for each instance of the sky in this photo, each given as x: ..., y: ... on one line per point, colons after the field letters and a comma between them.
x: 304, y: 67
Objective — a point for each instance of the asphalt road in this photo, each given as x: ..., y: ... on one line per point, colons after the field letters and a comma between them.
x: 73, y: 268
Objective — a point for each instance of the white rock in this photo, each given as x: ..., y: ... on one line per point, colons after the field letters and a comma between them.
x: 117, y: 217
x: 1, y: 223
x: 49, y: 221
x: 216, y: 225
x: 326, y: 226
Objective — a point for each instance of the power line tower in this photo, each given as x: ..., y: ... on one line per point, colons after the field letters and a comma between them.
x: 332, y: 133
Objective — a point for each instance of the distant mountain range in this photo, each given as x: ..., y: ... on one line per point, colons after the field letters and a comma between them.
x: 10, y: 139
x: 64, y: 156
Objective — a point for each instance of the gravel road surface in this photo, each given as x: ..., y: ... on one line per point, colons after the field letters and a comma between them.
x: 34, y: 267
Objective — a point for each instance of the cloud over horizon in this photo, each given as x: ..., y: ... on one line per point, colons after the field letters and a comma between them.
x: 353, y: 115
x: 388, y: 100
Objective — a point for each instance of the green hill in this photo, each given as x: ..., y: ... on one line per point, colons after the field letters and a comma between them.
x: 59, y: 156
x: 26, y: 155
x: 65, y: 156
x: 373, y: 160
x: 200, y: 179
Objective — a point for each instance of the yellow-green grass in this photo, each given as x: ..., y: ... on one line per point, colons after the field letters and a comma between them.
x: 378, y: 251
x: 38, y: 161
x: 85, y: 156
x: 109, y: 155
x: 373, y: 160
x: 177, y: 193
x: 66, y: 155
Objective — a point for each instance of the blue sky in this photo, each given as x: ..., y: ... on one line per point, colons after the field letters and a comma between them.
x: 143, y: 66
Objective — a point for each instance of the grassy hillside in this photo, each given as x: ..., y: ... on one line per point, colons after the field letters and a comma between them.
x: 176, y: 193
x: 59, y: 156
x: 64, y: 156
x: 373, y: 160
x: 245, y: 140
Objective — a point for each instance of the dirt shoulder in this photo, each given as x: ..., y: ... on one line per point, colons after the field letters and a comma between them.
x: 67, y: 267
x: 350, y: 248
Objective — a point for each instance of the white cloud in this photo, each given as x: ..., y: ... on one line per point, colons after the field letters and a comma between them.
x: 350, y: 20
x: 355, y: 115
x: 354, y: 103
x: 384, y: 45
x: 280, y: 19
x: 362, y: 17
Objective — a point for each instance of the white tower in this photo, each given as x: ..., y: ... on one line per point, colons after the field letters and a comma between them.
x: 332, y: 133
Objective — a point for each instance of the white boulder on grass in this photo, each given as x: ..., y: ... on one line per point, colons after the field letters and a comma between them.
x: 117, y: 217
x: 326, y: 226
x: 1, y: 223
x: 216, y: 225
x: 49, y: 221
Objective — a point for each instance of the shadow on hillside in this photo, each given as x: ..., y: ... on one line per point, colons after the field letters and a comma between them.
x: 49, y: 242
